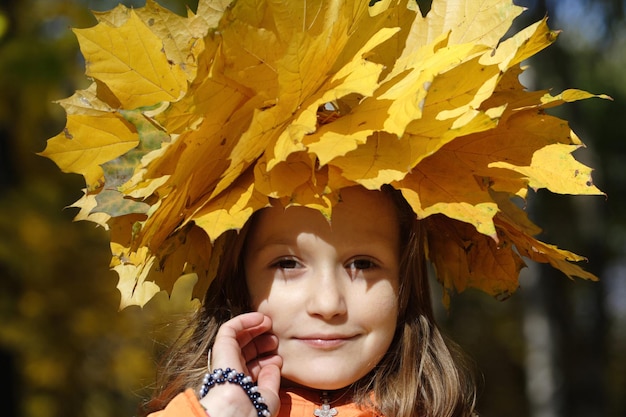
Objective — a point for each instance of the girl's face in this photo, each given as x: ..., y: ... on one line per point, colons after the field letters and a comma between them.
x: 331, y: 290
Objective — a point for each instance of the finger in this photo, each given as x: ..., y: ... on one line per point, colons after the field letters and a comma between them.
x: 234, y: 335
x: 269, y: 384
x: 259, y: 346
x: 274, y: 360
x: 255, y: 366
x: 245, y: 327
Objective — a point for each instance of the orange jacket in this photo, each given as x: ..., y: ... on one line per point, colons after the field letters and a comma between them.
x: 293, y: 404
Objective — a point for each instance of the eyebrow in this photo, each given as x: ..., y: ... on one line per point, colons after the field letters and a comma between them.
x: 272, y: 240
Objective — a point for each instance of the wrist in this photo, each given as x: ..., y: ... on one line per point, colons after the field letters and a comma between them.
x: 231, y: 404
x: 227, y: 401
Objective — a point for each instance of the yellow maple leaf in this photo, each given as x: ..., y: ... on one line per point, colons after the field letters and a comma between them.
x: 86, y: 102
x: 463, y: 259
x: 553, y: 167
x: 133, y: 284
x: 483, y: 22
x: 86, y: 204
x: 231, y: 210
x: 87, y: 141
x: 181, y: 300
x: 182, y: 37
x: 130, y: 61
x: 545, y: 253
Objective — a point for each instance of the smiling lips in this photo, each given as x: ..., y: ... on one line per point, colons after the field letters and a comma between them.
x: 325, y: 341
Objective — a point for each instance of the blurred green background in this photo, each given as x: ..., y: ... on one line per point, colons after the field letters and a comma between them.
x: 556, y: 348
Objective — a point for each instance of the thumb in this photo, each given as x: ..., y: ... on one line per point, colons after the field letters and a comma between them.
x: 269, y: 384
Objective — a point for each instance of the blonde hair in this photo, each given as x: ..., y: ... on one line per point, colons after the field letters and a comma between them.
x: 422, y: 374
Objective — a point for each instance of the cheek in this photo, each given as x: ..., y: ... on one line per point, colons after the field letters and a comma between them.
x: 262, y: 306
x: 383, y: 310
x: 259, y: 289
x: 269, y: 301
x: 282, y: 316
x: 384, y: 313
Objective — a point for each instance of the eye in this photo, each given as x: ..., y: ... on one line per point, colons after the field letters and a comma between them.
x: 286, y: 263
x: 361, y: 263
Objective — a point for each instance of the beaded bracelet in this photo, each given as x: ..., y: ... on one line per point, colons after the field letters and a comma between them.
x: 220, y: 376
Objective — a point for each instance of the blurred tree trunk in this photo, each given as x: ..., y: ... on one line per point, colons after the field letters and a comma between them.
x: 544, y: 397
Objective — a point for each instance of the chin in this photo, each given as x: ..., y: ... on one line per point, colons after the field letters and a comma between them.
x: 330, y: 382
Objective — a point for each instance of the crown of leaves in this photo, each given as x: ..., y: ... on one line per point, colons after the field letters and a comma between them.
x: 193, y: 123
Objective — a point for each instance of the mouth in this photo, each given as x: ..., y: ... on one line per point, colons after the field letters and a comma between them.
x: 326, y: 341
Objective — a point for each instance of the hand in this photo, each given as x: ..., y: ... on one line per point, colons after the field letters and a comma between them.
x: 243, y: 343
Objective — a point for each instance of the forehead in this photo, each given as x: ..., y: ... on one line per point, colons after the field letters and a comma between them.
x: 361, y: 214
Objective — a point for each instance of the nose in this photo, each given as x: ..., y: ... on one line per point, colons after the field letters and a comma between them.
x: 326, y: 297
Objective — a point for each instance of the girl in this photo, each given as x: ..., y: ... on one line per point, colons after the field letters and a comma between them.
x: 252, y: 101
x: 329, y: 318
